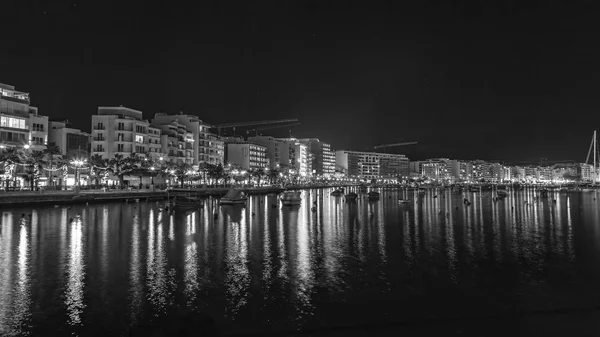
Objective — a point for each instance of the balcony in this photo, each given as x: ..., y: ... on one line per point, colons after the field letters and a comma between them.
x: 99, y: 127
x: 99, y: 139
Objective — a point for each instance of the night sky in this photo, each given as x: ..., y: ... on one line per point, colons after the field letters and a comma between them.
x: 496, y: 82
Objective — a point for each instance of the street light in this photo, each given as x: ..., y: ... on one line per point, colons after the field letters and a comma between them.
x: 26, y: 146
x: 77, y: 163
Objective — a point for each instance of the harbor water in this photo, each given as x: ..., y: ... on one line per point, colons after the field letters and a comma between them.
x: 326, y: 265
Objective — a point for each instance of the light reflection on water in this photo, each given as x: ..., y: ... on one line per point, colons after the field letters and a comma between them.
x: 263, y: 268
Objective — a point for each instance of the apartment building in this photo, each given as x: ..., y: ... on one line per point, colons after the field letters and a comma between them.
x: 20, y: 123
x: 71, y: 142
x: 245, y: 155
x: 277, y: 151
x: 323, y: 157
x: 371, y: 165
x: 176, y: 142
x: 119, y: 130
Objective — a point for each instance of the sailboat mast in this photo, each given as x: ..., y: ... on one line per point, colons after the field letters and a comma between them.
x: 595, y: 149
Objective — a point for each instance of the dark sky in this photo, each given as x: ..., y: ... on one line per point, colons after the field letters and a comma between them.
x: 509, y: 81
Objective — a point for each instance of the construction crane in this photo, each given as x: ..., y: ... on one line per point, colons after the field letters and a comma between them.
x: 385, y: 146
x: 252, y: 123
x: 262, y: 128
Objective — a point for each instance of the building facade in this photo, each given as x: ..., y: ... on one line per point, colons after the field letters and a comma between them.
x: 247, y: 156
x: 371, y: 165
x: 71, y: 142
x: 20, y: 124
x: 323, y: 157
x: 119, y: 130
x: 277, y: 151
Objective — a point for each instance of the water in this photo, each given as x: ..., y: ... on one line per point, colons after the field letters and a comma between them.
x: 266, y: 269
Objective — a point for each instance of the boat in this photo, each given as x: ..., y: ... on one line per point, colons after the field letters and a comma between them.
x: 337, y: 192
x: 474, y: 189
x: 234, y: 197
x: 186, y: 202
x: 404, y: 201
x: 351, y: 196
x: 291, y: 198
x: 373, y: 195
x: 501, y: 194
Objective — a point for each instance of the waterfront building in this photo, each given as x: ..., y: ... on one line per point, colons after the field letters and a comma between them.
x: 296, y: 157
x: 584, y: 172
x: 416, y: 169
x: 176, y: 142
x: 119, y: 130
x: 323, y: 157
x: 277, y: 151
x: 461, y: 170
x: 371, y: 165
x: 245, y: 155
x: 530, y: 173
x: 215, y: 149
x: 71, y: 142
x: 438, y: 169
x: 482, y: 171
x: 518, y: 173
x: 20, y: 124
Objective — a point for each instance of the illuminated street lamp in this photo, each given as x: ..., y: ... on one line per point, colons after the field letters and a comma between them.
x: 77, y: 163
x: 26, y: 146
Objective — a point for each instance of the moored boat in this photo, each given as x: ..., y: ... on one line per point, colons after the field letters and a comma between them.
x: 291, y: 198
x: 351, y: 196
x: 234, y: 197
x: 374, y: 195
x: 337, y: 192
x: 404, y: 201
x: 186, y: 202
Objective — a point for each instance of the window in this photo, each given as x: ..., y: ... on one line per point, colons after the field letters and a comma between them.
x: 11, y: 122
x: 99, y: 148
x: 38, y: 127
x: 100, y: 136
x: 120, y: 147
x: 121, y: 126
x: 139, y: 139
x: 120, y: 137
x: 100, y: 126
x: 37, y: 140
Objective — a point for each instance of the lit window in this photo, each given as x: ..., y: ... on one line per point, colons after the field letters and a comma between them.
x: 139, y: 139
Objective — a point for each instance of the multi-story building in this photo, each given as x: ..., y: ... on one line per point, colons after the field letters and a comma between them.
x: 323, y: 157
x: 119, y: 130
x: 20, y: 123
x: 585, y: 172
x: 277, y: 151
x: 246, y: 156
x: 309, y: 164
x: 371, y: 165
x: 71, y: 142
x: 544, y: 173
x: 416, y: 168
x: 437, y: 169
x: 530, y: 173
x: 155, y: 149
x: 176, y: 142
x: 216, y: 150
x: 461, y: 170
x: 482, y: 170
x: 518, y: 173
x: 297, y: 154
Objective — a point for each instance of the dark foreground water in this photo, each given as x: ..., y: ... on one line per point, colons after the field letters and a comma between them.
x: 263, y: 269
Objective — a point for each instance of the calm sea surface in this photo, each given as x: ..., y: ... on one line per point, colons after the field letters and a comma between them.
x: 263, y: 269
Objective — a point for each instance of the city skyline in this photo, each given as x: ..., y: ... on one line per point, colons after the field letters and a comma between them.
x: 479, y: 81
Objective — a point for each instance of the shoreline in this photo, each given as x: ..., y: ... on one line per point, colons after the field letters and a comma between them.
x: 21, y: 198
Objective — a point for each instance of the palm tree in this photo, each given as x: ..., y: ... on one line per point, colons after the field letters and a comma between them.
x: 51, y: 150
x: 8, y: 158
x: 33, y: 161
x: 98, y: 166
x: 258, y: 173
x: 118, y: 166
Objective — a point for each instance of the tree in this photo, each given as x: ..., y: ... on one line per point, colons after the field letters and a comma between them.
x: 8, y: 158
x: 50, y: 152
x: 98, y: 166
x: 258, y: 173
x: 118, y: 166
x: 33, y: 161
x: 273, y: 176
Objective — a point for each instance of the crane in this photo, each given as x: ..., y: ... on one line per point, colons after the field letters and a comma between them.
x: 262, y: 128
x: 385, y: 146
x: 252, y: 123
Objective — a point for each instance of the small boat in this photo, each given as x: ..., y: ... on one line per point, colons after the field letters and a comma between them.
x: 373, y: 195
x: 501, y: 194
x: 404, y: 201
x: 351, y: 196
x: 234, y: 197
x: 186, y: 202
x: 474, y: 189
x: 337, y: 193
x: 291, y: 198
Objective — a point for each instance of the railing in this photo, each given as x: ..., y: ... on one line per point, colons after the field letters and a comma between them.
x: 99, y: 127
